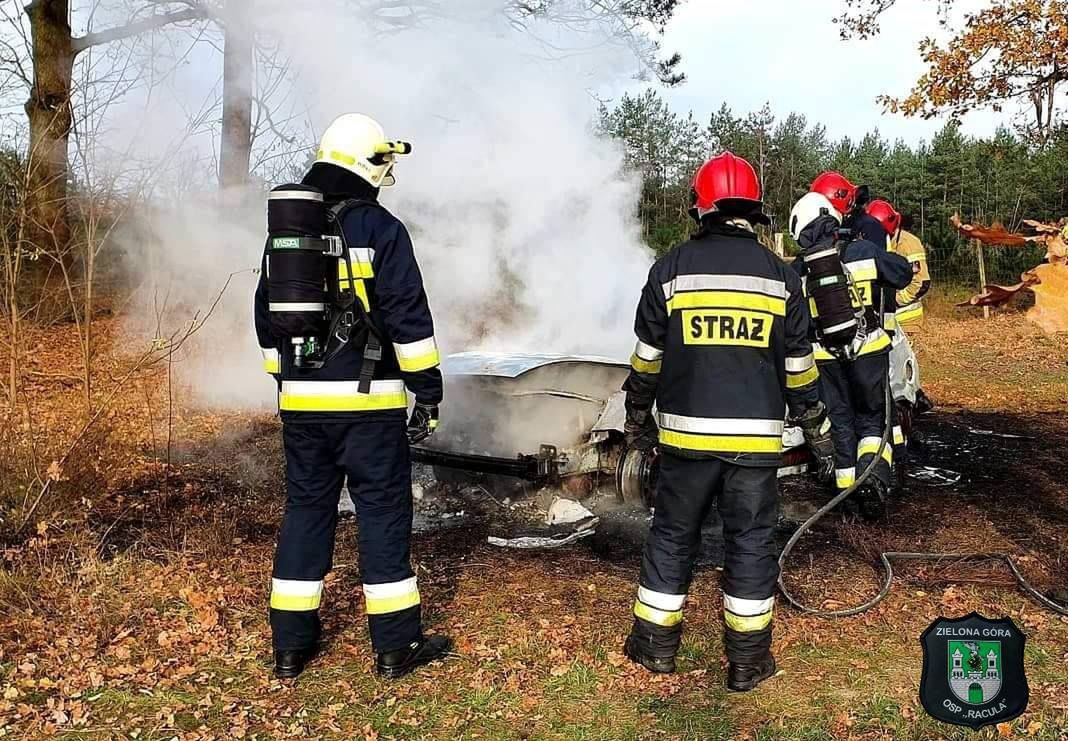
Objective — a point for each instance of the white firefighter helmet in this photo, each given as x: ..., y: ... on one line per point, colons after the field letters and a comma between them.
x: 808, y: 209
x: 358, y: 144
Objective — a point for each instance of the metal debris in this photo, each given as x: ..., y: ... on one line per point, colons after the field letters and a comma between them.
x: 551, y: 538
x: 1004, y: 435
x: 934, y: 476
x: 565, y: 511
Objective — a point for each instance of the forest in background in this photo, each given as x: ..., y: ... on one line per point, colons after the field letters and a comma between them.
x: 1003, y: 178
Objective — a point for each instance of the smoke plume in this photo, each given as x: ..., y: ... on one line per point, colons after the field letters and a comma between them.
x: 523, y: 217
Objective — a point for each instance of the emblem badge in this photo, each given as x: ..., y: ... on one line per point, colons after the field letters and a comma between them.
x: 973, y: 672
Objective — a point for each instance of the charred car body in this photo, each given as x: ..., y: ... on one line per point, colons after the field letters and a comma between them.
x: 559, y: 419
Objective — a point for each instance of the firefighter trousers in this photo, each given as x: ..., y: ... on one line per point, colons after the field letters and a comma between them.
x: 376, y: 458
x: 855, y: 395
x: 748, y: 505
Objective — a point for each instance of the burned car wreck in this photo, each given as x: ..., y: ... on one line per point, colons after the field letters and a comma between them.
x: 558, y: 420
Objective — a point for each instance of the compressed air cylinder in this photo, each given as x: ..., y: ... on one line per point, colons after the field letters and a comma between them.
x: 828, y: 287
x: 297, y: 266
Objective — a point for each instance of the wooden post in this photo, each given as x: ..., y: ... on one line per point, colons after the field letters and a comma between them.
x: 780, y: 248
x: 982, y: 275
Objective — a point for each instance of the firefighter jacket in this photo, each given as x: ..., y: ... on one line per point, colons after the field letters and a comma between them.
x: 910, y: 308
x: 874, y: 274
x: 386, y: 279
x: 722, y: 348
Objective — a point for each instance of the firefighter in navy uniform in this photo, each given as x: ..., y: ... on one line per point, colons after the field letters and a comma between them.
x: 854, y: 387
x: 332, y: 429
x: 851, y: 201
x: 722, y: 350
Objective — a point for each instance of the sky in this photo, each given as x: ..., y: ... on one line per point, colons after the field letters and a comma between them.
x: 788, y: 53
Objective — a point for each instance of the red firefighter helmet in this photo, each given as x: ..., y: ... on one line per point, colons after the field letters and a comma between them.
x: 727, y: 182
x: 885, y: 214
x: 837, y: 188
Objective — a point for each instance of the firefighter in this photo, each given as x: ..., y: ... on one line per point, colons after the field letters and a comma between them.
x: 854, y: 388
x: 850, y: 201
x: 910, y: 298
x: 330, y: 429
x: 722, y: 350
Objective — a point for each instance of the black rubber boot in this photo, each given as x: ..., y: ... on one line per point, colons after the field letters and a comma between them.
x: 871, y: 498
x: 288, y: 664
x: 657, y: 664
x: 744, y: 677
x: 395, y: 664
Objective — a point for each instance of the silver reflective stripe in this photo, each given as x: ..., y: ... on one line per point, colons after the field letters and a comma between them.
x: 840, y: 327
x: 862, y: 269
x: 720, y: 425
x: 362, y: 254
x: 295, y: 195
x: 416, y: 349
x: 702, y: 282
x: 339, y: 388
x: 660, y: 600
x: 647, y: 352
x: 294, y: 306
x: 392, y: 589
x: 819, y: 255
x: 747, y: 607
x: 800, y: 365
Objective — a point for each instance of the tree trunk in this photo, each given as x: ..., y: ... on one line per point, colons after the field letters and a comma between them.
x: 49, y: 113
x: 236, y: 147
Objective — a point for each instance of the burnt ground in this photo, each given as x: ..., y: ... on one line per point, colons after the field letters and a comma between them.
x: 978, y: 482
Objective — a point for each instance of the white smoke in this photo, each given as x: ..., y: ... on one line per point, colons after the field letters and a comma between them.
x: 523, y: 217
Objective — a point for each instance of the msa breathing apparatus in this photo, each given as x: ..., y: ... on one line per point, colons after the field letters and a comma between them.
x: 841, y: 324
x: 311, y: 314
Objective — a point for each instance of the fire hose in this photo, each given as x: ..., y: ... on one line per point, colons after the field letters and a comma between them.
x: 888, y: 557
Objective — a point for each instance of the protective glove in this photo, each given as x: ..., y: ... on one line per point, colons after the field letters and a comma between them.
x: 423, y: 422
x: 817, y: 429
x: 640, y: 430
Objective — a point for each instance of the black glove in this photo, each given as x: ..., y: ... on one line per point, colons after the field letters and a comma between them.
x: 817, y: 428
x: 640, y: 429
x: 423, y: 422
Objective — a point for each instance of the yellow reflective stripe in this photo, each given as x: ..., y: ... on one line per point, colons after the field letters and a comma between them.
x: 342, y: 403
x: 341, y: 396
x: 383, y: 605
x: 644, y: 366
x: 910, y: 313
x: 845, y: 477
x: 867, y: 447
x: 416, y: 356
x: 655, y: 616
x: 802, y: 379
x: 875, y: 344
x: 420, y: 363
x: 293, y: 603
x: 296, y: 595
x: 337, y: 156
x: 361, y: 269
x: 727, y: 300
x: 747, y: 623
x: 819, y: 353
x: 361, y: 292
x: 899, y: 435
x: 721, y: 443
x: 271, y: 361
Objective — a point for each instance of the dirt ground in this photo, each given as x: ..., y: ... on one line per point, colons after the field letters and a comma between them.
x: 133, y: 604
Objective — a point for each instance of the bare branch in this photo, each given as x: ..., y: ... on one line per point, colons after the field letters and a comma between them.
x: 137, y: 27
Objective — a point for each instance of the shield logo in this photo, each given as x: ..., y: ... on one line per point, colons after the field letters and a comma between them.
x: 973, y: 672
